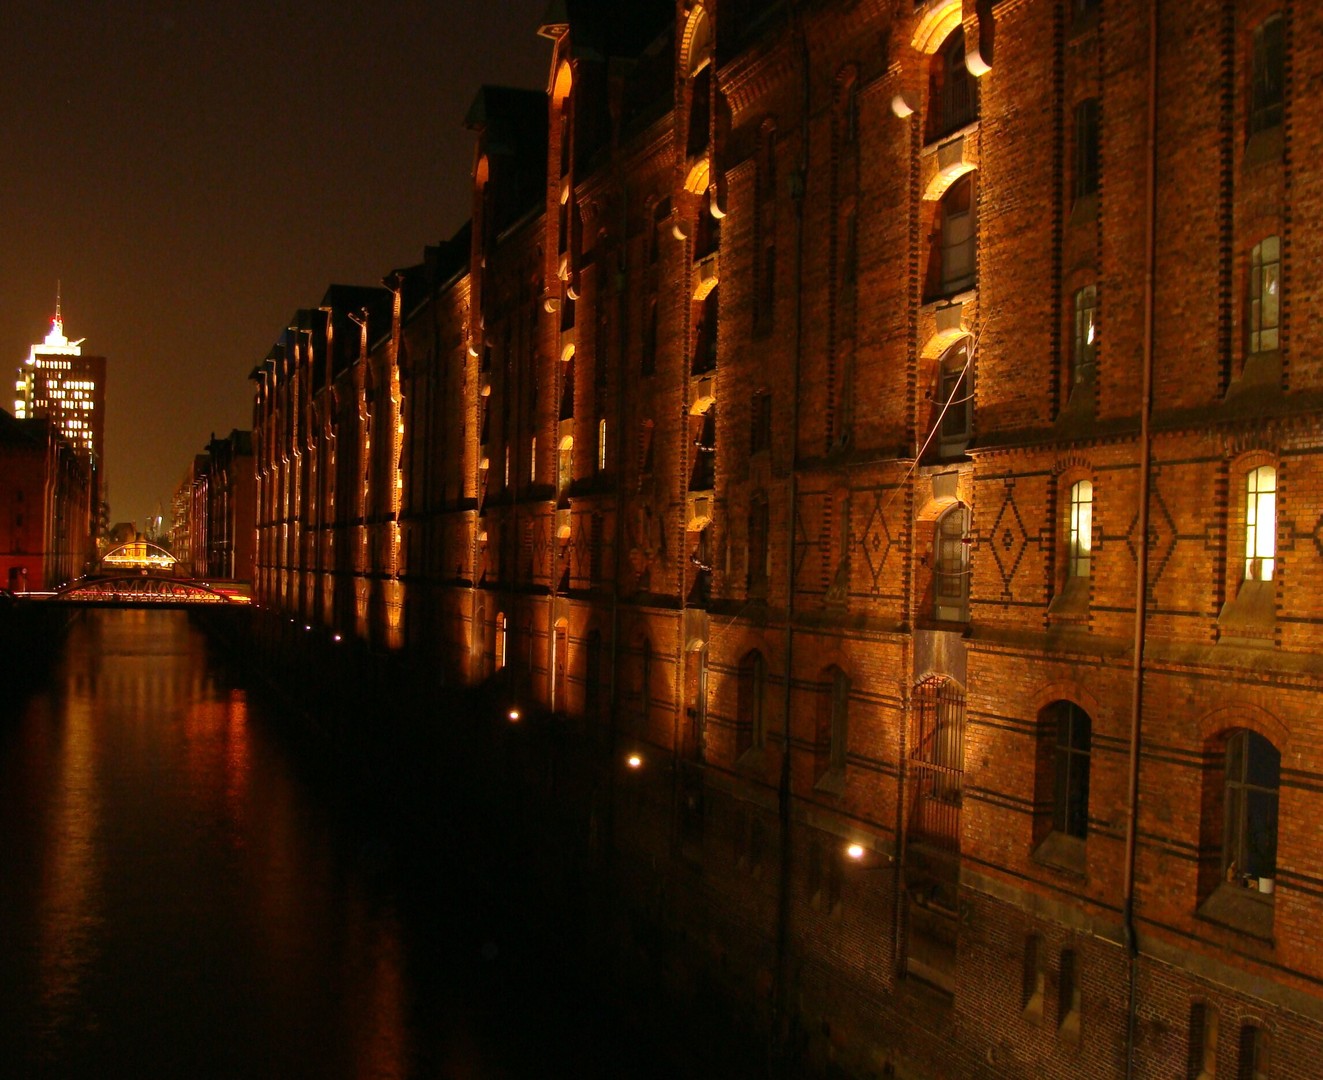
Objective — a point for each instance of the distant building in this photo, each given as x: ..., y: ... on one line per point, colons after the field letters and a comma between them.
x: 57, y: 380
x: 45, y: 506
x: 215, y: 511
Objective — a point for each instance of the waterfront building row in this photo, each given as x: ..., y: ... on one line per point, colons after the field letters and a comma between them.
x: 893, y: 427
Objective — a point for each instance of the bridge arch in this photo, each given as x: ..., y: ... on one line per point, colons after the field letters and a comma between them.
x: 137, y: 555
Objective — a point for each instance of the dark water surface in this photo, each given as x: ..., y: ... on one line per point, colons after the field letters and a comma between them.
x: 181, y: 895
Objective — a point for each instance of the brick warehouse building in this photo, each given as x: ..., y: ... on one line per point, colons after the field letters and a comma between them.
x: 893, y: 427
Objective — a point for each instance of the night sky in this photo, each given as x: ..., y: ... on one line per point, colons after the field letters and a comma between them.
x: 195, y: 172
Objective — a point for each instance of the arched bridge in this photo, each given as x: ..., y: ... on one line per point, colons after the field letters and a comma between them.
x: 148, y: 590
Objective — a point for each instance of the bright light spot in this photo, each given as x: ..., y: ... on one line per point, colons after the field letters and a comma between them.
x: 855, y: 851
x: 514, y: 715
x: 306, y: 626
x: 633, y: 761
x: 335, y: 637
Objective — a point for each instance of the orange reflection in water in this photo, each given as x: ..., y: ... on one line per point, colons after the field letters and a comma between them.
x: 70, y: 917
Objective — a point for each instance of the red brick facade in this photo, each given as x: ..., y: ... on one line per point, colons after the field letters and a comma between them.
x: 803, y: 411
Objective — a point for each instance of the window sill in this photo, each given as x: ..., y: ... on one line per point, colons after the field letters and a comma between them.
x: 1264, y: 148
x: 1250, y: 618
x: 1071, y: 604
x: 1246, y: 911
x: 832, y: 782
x: 1084, y: 25
x: 1085, y: 210
x: 1262, y: 369
x: 1063, y: 853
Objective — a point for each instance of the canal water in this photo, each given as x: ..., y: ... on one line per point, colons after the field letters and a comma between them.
x: 185, y: 891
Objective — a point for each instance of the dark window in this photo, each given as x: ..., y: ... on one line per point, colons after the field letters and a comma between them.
x: 952, y: 90
x: 766, y: 295
x: 1086, y: 148
x: 1252, y: 1059
x: 760, y: 422
x: 567, y: 389
x: 650, y: 338
x: 1084, y: 9
x: 850, y: 114
x: 1031, y: 991
x: 705, y: 341
x: 751, y: 693
x: 1249, y: 838
x: 1070, y: 795
x: 833, y: 724
x: 646, y: 433
x: 758, y: 545
x: 661, y: 214
x: 1267, y: 80
x: 1068, y: 990
x: 1201, y: 1052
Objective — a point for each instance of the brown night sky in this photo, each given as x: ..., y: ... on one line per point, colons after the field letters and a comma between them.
x: 194, y: 172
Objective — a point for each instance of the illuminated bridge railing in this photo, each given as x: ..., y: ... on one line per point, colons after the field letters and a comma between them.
x: 145, y: 590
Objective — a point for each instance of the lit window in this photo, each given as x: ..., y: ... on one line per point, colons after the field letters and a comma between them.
x: 601, y: 445
x: 952, y: 569
x: 532, y: 460
x: 1265, y: 278
x: 1079, y: 556
x: 1260, y: 523
x: 959, y: 234
x: 1084, y: 341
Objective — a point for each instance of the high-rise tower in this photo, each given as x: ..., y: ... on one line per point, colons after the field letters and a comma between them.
x: 58, y: 381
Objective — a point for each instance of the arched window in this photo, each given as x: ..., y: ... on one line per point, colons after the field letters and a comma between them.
x: 955, y: 402
x: 952, y: 90
x: 1260, y: 523
x: 937, y: 761
x: 1070, y: 788
x: 958, y: 216
x: 1249, y: 835
x: 951, y: 570
x: 1079, y: 545
x: 1252, y: 1053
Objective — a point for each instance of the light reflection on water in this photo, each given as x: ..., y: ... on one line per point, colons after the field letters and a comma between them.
x: 173, y: 900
